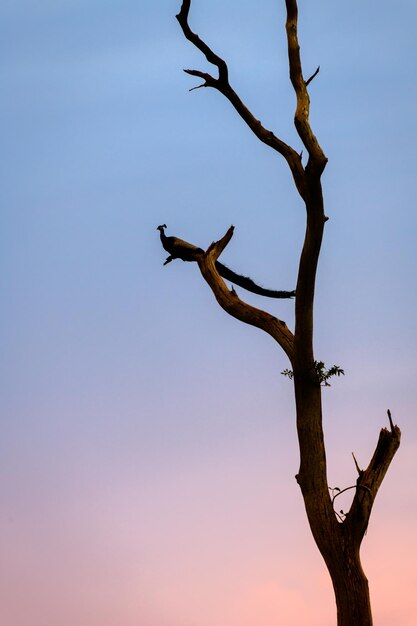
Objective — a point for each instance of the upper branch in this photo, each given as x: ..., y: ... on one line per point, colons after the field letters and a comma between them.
x: 211, y: 57
x: 232, y: 304
x: 317, y: 158
x: 222, y: 84
x: 370, y: 480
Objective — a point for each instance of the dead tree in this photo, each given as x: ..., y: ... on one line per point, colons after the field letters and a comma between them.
x: 337, y: 537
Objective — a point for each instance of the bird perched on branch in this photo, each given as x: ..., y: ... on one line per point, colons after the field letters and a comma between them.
x: 177, y: 248
x: 180, y: 249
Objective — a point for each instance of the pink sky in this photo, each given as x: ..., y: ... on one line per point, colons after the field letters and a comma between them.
x: 223, y: 544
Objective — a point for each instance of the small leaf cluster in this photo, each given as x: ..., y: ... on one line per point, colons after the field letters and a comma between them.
x: 323, y: 374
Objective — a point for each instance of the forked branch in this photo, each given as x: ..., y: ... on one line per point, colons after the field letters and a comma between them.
x: 222, y: 84
x: 370, y: 480
x: 212, y: 271
x: 180, y: 249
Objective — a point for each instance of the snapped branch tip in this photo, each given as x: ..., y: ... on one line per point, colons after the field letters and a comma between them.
x: 391, y: 423
x: 358, y: 469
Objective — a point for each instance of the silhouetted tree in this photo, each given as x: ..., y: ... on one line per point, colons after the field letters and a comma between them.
x: 338, y: 536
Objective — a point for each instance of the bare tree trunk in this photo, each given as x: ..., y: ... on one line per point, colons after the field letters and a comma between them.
x: 337, y: 537
x: 340, y: 553
x: 351, y: 590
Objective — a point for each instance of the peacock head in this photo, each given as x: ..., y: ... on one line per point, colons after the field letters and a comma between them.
x: 161, y: 228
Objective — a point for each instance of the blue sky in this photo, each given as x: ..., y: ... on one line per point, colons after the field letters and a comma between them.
x: 148, y: 440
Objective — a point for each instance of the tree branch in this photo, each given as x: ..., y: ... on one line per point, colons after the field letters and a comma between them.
x: 232, y: 304
x: 317, y: 159
x: 216, y: 247
x: 308, y: 81
x: 370, y: 480
x: 209, y: 80
x: 211, y: 57
x: 223, y: 86
x: 212, y: 271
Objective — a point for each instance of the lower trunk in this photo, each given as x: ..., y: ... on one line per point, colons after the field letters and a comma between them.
x: 351, y: 590
x: 339, y: 549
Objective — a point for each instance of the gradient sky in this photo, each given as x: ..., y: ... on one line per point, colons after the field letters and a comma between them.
x: 148, y: 446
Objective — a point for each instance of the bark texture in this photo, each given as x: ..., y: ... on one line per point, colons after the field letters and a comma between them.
x: 338, y: 539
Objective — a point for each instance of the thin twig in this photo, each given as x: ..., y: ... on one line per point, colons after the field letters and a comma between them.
x: 391, y: 423
x: 308, y: 81
x: 358, y: 469
x: 198, y: 87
